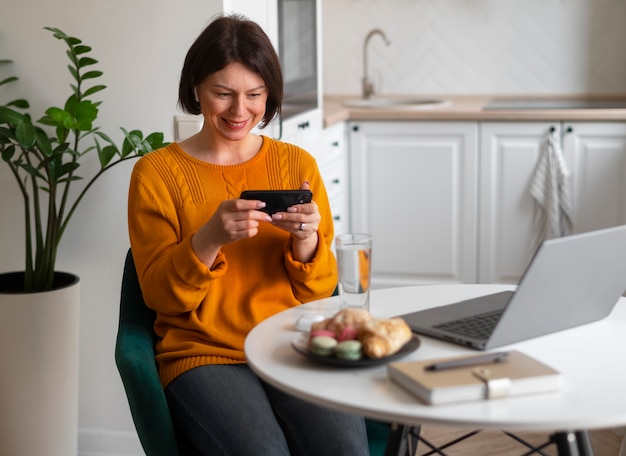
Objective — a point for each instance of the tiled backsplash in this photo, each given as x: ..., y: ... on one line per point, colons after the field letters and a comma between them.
x: 477, y: 46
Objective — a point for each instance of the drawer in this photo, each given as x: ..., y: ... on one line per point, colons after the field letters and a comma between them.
x: 332, y: 145
x: 338, y: 206
x: 334, y: 178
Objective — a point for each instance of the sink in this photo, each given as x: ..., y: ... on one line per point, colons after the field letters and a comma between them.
x: 397, y: 103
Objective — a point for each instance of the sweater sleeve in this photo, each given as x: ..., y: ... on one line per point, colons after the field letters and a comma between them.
x: 173, y: 280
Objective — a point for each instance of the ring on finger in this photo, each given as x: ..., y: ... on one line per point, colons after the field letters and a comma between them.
x: 302, y: 225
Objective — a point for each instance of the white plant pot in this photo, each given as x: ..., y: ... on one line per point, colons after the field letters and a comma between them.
x: 39, y: 372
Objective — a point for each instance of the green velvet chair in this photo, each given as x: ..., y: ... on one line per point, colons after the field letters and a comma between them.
x: 134, y: 356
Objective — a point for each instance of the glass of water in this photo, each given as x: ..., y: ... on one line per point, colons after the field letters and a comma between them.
x: 354, y: 258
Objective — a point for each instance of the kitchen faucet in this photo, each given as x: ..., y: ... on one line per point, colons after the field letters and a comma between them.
x: 368, y: 86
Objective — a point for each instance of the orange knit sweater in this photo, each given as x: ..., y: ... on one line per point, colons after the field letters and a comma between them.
x: 204, y: 314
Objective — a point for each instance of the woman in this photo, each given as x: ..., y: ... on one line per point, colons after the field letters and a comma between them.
x: 213, y: 265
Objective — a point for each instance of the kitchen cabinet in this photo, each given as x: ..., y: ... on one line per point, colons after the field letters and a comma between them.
x: 450, y: 202
x: 332, y: 157
x: 329, y: 148
x: 413, y: 186
x: 263, y: 12
x: 595, y: 154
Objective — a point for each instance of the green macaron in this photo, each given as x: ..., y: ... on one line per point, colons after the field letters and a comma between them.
x: 349, y: 350
x: 323, y: 345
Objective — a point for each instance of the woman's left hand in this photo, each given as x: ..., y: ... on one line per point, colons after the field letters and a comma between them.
x: 302, y: 221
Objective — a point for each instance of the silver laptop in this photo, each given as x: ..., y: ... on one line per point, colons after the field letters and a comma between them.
x: 570, y: 281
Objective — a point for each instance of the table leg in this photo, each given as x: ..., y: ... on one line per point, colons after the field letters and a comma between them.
x: 572, y: 443
x: 402, y: 440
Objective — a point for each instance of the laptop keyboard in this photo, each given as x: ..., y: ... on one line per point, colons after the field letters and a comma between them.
x: 475, y: 326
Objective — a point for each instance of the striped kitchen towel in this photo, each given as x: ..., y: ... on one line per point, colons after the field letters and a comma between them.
x: 553, y: 213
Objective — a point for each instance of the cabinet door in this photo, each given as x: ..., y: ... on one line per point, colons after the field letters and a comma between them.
x: 509, y: 152
x: 595, y: 153
x: 598, y: 151
x: 413, y: 187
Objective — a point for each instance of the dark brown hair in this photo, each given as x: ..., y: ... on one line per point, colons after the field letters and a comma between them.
x: 229, y: 39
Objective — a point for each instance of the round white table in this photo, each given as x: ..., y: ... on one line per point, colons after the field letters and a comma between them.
x: 590, y: 358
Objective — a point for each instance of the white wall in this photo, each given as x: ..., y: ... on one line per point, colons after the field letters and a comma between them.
x: 478, y: 46
x: 140, y: 45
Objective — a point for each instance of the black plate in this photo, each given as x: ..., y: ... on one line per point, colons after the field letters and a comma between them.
x: 300, y: 344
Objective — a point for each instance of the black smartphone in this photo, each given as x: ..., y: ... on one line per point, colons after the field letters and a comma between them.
x: 278, y: 200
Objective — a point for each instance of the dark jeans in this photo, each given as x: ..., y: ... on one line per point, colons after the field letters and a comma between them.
x: 227, y: 410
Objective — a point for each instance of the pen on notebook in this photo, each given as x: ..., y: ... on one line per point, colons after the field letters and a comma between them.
x: 469, y: 361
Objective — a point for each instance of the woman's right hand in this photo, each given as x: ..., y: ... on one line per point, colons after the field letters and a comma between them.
x: 233, y: 220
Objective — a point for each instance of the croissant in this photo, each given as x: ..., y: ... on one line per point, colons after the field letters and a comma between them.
x: 346, y: 318
x: 384, y: 337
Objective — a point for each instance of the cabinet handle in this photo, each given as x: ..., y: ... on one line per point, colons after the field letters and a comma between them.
x: 569, y: 129
x: 552, y: 129
x: 337, y: 218
x: 335, y: 143
x: 355, y: 128
x: 335, y: 181
x: 303, y: 125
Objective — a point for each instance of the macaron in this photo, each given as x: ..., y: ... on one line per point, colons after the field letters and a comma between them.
x: 322, y: 332
x: 349, y: 350
x: 323, y: 345
x: 348, y: 333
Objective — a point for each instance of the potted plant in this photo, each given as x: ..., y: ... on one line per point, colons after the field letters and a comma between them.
x: 39, y: 305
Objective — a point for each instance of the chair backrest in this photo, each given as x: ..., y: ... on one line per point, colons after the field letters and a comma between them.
x: 135, y: 359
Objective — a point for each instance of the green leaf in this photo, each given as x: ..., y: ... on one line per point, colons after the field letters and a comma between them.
x: 155, y: 140
x: 9, y: 79
x: 85, y: 113
x: 43, y: 142
x: 21, y: 103
x: 106, y: 154
x: 32, y: 171
x: 70, y: 179
x: 105, y: 137
x: 91, y: 75
x: 81, y: 49
x: 68, y: 168
x: 6, y: 135
x: 62, y: 148
x: 8, y: 153
x: 56, y: 117
x: 57, y: 33
x: 132, y: 142
x: 25, y: 134
x: 9, y: 116
x: 62, y: 133
x: 86, y: 61
x: 54, y: 168
x: 71, y: 56
x: 73, y: 72
x: 93, y: 90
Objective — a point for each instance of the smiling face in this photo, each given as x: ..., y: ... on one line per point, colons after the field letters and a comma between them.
x: 232, y: 101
